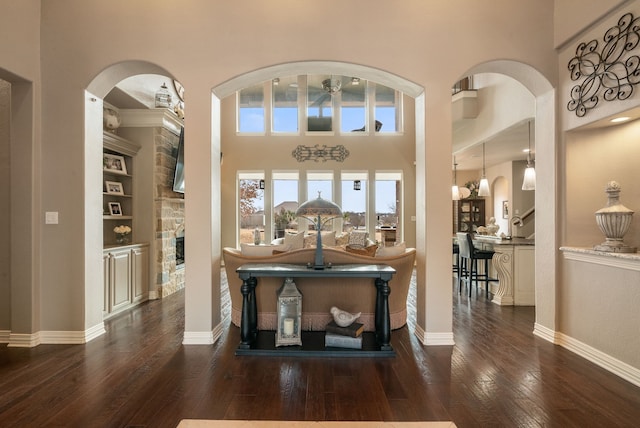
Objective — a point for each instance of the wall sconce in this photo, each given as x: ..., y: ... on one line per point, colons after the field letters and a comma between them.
x: 357, y: 185
x: 261, y: 184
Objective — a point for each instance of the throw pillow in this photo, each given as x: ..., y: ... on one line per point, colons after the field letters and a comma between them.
x: 342, y: 240
x: 395, y: 250
x: 328, y: 239
x: 261, y: 250
x: 358, y: 238
x: 294, y: 240
x: 364, y: 251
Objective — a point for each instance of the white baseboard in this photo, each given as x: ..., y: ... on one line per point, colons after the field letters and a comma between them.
x: 607, y: 362
x: 55, y: 337
x: 433, y: 339
x: 198, y: 338
x: 613, y: 365
x: 17, y: 340
x: 4, y: 336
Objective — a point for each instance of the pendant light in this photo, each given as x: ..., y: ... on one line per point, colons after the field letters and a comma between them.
x: 529, y: 182
x: 484, y: 183
x: 455, y: 191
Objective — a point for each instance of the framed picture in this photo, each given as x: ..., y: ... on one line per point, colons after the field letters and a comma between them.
x: 115, y: 208
x: 114, y: 188
x: 505, y: 209
x: 114, y: 163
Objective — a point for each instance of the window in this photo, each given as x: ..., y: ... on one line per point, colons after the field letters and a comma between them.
x: 319, y: 102
x: 251, y: 109
x: 354, y: 200
x: 285, y: 104
x: 387, y: 108
x: 353, y: 108
x: 320, y: 184
x: 285, y: 202
x: 250, y: 206
x: 388, y: 204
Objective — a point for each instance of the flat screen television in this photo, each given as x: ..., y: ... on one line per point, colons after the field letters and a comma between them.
x: 178, y: 176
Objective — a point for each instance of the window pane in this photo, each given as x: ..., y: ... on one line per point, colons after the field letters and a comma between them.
x: 319, y: 107
x: 251, y: 109
x: 388, y: 207
x: 251, y: 208
x: 386, y: 111
x: 353, y: 111
x: 285, y: 104
x: 285, y: 205
x: 354, y: 205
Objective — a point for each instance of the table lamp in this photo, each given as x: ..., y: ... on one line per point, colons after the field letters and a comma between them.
x: 319, y: 211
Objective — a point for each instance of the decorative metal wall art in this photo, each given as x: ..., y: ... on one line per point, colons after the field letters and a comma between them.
x: 606, y: 73
x: 319, y: 153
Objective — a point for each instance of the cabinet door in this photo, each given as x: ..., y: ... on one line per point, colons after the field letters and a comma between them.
x: 140, y: 273
x: 120, y: 281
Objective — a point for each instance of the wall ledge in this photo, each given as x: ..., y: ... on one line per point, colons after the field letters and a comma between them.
x: 629, y: 261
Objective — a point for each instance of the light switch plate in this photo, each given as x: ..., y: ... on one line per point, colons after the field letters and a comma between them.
x: 51, y: 217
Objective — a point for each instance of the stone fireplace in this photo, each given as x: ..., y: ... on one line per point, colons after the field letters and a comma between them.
x: 169, y: 215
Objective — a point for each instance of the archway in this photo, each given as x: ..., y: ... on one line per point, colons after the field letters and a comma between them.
x: 546, y: 235
x: 97, y: 89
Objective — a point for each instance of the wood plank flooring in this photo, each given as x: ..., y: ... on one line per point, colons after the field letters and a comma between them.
x: 140, y: 375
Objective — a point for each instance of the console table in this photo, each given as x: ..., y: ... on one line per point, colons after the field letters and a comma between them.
x: 251, y: 343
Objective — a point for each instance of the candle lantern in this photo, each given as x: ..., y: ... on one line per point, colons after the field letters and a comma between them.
x: 289, y: 314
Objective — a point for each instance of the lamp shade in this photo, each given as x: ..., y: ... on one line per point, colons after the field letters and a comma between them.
x: 483, y: 190
x: 318, y: 207
x: 529, y: 182
x: 455, y: 193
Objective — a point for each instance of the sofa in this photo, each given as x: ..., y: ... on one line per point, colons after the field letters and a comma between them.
x: 319, y: 295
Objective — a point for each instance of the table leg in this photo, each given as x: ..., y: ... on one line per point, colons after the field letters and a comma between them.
x: 382, y: 317
x: 248, y: 320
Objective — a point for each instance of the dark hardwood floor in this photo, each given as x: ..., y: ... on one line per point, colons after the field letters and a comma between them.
x: 139, y: 374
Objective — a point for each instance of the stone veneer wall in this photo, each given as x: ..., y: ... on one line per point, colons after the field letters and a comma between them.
x: 169, y: 214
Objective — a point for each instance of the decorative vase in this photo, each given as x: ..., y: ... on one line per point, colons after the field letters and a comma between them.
x: 122, y: 238
x: 614, y: 221
x: 110, y: 119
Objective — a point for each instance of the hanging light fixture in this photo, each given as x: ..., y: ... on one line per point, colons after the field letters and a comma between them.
x: 529, y: 182
x: 455, y: 191
x: 484, y: 183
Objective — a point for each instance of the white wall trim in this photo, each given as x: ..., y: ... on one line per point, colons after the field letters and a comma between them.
x: 95, y: 331
x: 607, y: 362
x: 18, y: 340
x: 4, y: 336
x: 544, y: 333
x: 198, y: 338
x: 433, y: 339
x: 629, y: 261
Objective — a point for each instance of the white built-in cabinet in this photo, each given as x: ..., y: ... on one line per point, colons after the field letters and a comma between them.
x: 126, y: 265
x: 126, y: 277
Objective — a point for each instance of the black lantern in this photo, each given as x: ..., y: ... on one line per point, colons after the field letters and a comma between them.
x: 289, y: 314
x: 357, y: 185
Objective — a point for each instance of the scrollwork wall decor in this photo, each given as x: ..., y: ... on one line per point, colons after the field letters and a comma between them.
x: 319, y: 153
x: 606, y: 73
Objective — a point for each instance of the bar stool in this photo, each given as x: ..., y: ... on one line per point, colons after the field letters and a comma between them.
x: 468, y: 269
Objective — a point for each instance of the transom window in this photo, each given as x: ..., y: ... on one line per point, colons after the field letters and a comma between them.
x: 312, y: 104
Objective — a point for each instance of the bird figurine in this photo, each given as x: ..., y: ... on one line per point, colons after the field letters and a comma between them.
x: 343, y: 318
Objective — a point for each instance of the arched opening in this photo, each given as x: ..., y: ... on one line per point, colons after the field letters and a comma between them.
x: 546, y: 238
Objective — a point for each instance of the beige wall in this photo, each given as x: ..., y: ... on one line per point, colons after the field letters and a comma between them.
x: 5, y: 211
x: 211, y: 48
x: 597, y: 304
